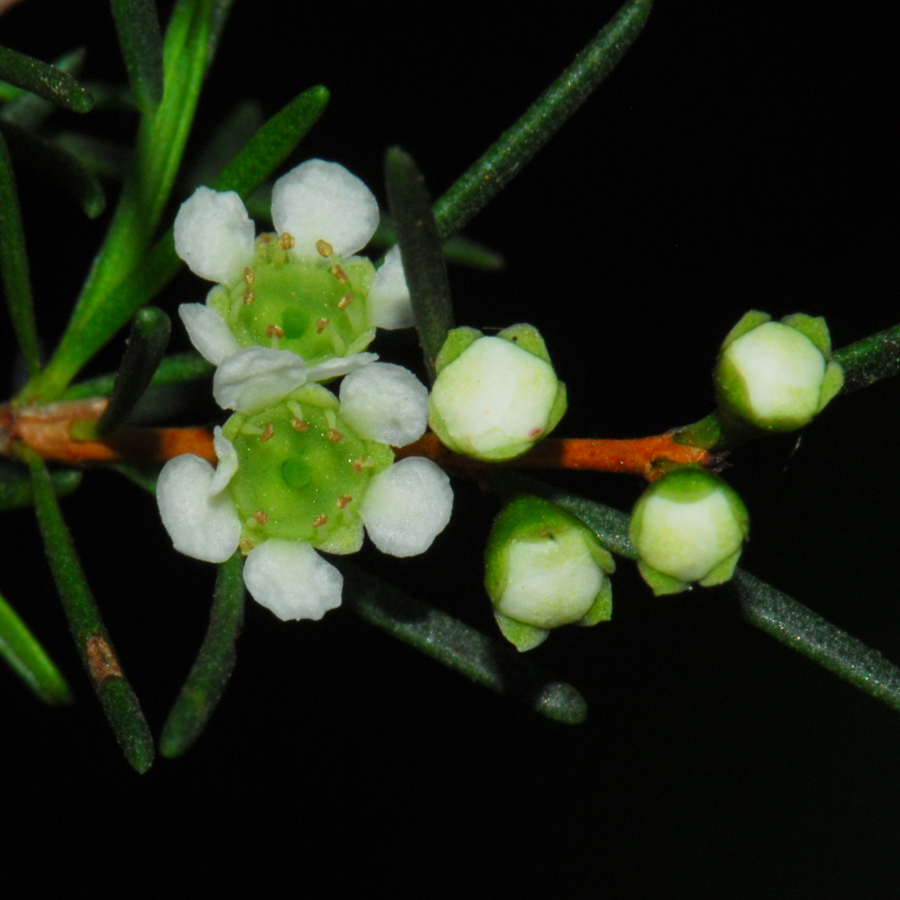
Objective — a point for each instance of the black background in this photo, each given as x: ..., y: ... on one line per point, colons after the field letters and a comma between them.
x: 742, y: 156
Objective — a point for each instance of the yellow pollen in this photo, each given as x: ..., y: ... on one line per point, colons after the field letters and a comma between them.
x: 325, y: 249
x: 286, y: 241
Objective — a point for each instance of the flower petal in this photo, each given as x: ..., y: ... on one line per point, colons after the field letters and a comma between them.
x: 201, y: 524
x: 384, y: 402
x: 339, y: 365
x: 388, y: 303
x: 322, y: 201
x: 214, y: 235
x: 292, y: 580
x: 228, y: 461
x: 407, y: 506
x: 208, y: 332
x: 257, y: 377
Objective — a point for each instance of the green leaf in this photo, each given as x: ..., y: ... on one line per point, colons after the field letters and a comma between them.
x: 144, y: 350
x: 225, y: 143
x: 516, y: 147
x: 139, y: 37
x: 459, y: 250
x: 422, y: 253
x: 103, y: 158
x: 487, y: 662
x: 44, y: 80
x: 210, y: 673
x: 118, y: 700
x: 870, y: 360
x: 87, y: 333
x: 28, y: 659
x: 55, y: 162
x: 14, y: 266
x: 15, y: 485
x: 30, y: 111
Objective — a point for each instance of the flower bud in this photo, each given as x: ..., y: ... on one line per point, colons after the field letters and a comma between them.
x: 494, y: 397
x: 544, y: 568
x: 775, y: 376
x: 688, y: 526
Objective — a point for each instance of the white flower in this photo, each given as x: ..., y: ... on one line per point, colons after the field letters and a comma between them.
x: 325, y: 210
x: 404, y: 508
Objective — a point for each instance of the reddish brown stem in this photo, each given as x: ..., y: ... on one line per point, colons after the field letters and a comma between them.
x: 46, y: 430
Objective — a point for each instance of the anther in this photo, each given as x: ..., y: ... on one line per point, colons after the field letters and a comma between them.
x: 274, y: 331
x: 334, y: 435
x: 249, y: 297
x: 249, y: 277
x: 340, y: 274
x: 267, y: 433
x: 286, y: 241
x: 325, y: 249
x: 321, y: 325
x: 343, y: 500
x: 261, y: 516
x: 246, y: 545
x: 319, y: 521
x: 345, y: 301
x: 298, y: 424
x: 358, y: 465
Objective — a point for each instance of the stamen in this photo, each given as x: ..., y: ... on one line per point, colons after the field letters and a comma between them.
x: 274, y: 331
x: 261, y: 516
x: 249, y: 277
x: 246, y: 545
x: 358, y: 465
x: 298, y: 424
x: 265, y: 238
x: 286, y: 241
x: 340, y: 274
x: 345, y: 301
x: 330, y: 418
x: 267, y: 433
x: 334, y: 435
x: 319, y: 521
x: 343, y: 500
x: 340, y: 348
x: 248, y: 428
x: 249, y: 297
x: 325, y: 249
x: 321, y: 325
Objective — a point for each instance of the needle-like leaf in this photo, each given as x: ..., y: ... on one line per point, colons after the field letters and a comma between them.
x: 44, y: 80
x: 141, y: 43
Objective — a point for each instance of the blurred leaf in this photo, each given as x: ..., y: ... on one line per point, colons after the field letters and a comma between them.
x: 30, y: 111
x: 516, y: 147
x: 460, y: 250
x: 88, y: 332
x: 14, y: 266
x: 145, y: 477
x: 141, y: 42
x: 422, y: 253
x: 28, y: 659
x: 57, y: 163
x: 103, y: 158
x: 44, y: 80
x: 215, y: 663
x: 489, y: 663
x: 119, y: 702
x: 226, y: 142
x: 15, y: 485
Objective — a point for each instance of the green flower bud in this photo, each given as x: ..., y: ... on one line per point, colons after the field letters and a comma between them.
x: 775, y: 376
x: 544, y: 568
x: 302, y: 472
x: 494, y: 397
x: 688, y: 526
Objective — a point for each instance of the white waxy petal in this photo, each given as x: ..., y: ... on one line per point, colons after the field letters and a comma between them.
x: 384, y: 402
x: 494, y: 394
x: 407, y: 506
x: 387, y: 304
x: 339, y: 365
x: 257, y: 377
x: 292, y: 580
x: 202, y: 523
x: 208, y: 332
x: 322, y: 201
x: 214, y: 235
x: 228, y: 461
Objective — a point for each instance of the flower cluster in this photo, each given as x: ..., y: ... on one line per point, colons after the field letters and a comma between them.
x: 300, y: 469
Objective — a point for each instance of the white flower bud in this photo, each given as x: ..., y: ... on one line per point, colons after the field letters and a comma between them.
x: 688, y: 526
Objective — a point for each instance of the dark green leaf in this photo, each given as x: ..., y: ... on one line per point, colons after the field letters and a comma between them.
x: 225, y: 143
x: 516, y: 147
x: 28, y: 659
x: 210, y: 673
x: 422, y: 253
x: 870, y: 360
x: 103, y: 158
x: 141, y: 41
x: 57, y: 163
x: 489, y: 663
x: 173, y: 370
x: 459, y: 250
x: 15, y: 485
x: 119, y: 702
x: 14, y: 266
x: 145, y: 348
x: 44, y: 80
x: 30, y: 111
